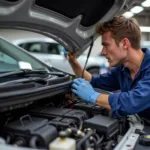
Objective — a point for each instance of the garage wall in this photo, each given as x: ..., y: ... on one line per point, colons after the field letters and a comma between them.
x: 144, y: 20
x: 16, y: 34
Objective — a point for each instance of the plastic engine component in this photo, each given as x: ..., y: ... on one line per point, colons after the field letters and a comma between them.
x: 36, y: 129
x: 102, y: 124
x: 91, y: 108
x: 60, y: 112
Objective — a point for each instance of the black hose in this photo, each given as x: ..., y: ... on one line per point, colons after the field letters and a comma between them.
x: 97, y: 137
x: 80, y: 143
x: 33, y: 142
x: 87, y: 144
x: 109, y: 145
x: 97, y: 142
x: 100, y: 140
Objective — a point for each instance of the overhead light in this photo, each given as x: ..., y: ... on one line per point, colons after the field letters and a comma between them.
x: 146, y: 3
x: 145, y: 29
x: 136, y: 9
x: 128, y: 14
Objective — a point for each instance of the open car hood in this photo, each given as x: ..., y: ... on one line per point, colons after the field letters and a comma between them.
x: 71, y: 23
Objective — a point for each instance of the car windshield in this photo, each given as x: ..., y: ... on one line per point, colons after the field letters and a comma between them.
x: 11, y: 55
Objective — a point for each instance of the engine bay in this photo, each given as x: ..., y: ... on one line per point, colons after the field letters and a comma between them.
x: 62, y: 119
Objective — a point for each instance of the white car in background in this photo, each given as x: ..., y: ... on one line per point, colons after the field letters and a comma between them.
x: 50, y: 52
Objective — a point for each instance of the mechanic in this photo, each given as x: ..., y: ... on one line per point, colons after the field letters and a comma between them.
x: 130, y: 73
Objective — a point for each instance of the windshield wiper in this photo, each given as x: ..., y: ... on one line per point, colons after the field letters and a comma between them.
x: 26, y: 80
x: 28, y: 72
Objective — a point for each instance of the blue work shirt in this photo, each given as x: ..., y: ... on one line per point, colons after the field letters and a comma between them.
x: 134, y: 95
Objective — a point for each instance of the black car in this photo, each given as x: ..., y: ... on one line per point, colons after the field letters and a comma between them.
x: 37, y: 108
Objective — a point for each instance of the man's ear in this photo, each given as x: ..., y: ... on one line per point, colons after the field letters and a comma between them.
x: 125, y: 43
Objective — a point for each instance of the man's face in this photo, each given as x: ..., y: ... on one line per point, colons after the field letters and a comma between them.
x: 114, y: 53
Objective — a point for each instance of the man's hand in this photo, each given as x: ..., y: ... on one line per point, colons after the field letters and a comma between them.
x: 72, y: 57
x: 84, y: 90
x: 76, y: 67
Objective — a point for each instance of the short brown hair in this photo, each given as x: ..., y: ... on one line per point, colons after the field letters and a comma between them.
x: 121, y: 27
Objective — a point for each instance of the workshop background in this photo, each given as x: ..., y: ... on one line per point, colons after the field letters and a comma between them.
x: 139, y: 10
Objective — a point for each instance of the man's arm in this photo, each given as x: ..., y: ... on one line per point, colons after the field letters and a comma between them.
x: 85, y: 91
x: 77, y: 68
x: 102, y: 101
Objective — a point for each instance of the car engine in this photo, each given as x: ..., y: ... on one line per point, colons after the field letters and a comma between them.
x: 64, y: 122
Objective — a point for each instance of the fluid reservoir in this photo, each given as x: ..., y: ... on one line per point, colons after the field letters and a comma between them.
x: 63, y: 143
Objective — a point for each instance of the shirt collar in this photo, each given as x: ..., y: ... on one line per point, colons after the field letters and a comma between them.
x: 144, y: 64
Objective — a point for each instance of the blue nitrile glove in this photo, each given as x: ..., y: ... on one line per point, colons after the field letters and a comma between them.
x: 84, y: 90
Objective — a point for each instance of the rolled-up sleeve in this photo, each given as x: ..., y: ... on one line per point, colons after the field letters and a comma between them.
x: 131, y: 102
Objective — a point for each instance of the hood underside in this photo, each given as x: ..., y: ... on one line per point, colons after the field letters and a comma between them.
x: 71, y: 23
